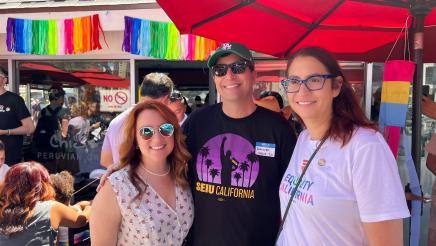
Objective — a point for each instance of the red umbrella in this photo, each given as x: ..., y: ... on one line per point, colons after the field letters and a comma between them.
x: 99, y: 78
x: 363, y: 30
x: 46, y: 73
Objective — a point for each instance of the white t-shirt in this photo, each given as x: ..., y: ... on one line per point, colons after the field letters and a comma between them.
x: 3, y: 170
x: 115, y: 135
x: 342, y: 188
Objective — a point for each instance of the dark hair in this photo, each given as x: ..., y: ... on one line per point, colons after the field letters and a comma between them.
x: 130, y: 156
x: 156, y: 85
x: 3, y: 72
x: 63, y: 183
x: 2, y: 146
x: 347, y: 113
x: 55, y: 92
x: 274, y: 94
x: 25, y: 184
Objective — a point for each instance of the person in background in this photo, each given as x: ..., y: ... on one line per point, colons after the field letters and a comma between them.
x: 3, y: 167
x: 28, y: 213
x: 148, y: 199
x: 63, y: 184
x: 15, y: 121
x: 197, y: 103
x: 79, y: 126
x: 178, y: 106
x: 50, y: 129
x: 155, y: 86
x: 351, y: 192
x: 188, y: 108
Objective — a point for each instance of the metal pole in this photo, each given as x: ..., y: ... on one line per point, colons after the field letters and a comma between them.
x: 419, y: 12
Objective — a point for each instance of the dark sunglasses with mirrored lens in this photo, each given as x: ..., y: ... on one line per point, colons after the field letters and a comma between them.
x: 147, y: 132
x: 238, y: 67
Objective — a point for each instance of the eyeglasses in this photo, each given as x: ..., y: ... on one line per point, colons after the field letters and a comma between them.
x: 238, y: 67
x: 147, y: 132
x: 175, y: 96
x: 313, y: 83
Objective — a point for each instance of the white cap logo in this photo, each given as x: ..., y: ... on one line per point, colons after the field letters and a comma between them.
x: 226, y: 46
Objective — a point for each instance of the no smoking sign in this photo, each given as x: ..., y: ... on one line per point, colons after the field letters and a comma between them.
x: 121, y: 97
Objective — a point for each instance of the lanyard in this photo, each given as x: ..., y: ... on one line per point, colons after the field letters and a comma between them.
x: 296, y: 188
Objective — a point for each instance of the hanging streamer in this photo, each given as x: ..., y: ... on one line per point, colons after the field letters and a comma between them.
x: 136, y: 28
x: 51, y: 37
x: 52, y: 40
x: 68, y: 36
x: 163, y: 40
x: 127, y: 34
x: 144, y: 39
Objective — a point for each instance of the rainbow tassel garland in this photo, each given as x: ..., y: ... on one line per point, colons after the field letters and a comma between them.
x: 162, y: 40
x: 51, y: 37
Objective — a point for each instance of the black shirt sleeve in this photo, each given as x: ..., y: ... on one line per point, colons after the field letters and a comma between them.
x: 21, y: 110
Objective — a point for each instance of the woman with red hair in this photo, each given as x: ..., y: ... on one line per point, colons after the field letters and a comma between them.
x: 342, y: 185
x: 28, y: 213
x: 148, y: 200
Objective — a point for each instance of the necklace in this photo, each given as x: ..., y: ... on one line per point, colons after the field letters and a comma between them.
x: 153, y: 173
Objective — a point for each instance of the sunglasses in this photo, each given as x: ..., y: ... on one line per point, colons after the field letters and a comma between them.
x: 176, y: 96
x: 238, y: 67
x: 147, y: 132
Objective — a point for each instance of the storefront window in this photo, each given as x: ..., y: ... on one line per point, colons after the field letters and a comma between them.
x: 85, y: 95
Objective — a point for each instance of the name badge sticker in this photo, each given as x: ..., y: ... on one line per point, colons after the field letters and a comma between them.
x: 265, y: 149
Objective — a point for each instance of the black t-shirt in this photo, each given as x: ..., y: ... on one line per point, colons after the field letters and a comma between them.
x: 12, y: 111
x: 235, y: 174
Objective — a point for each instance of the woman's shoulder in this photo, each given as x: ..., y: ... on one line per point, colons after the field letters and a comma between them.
x: 362, y: 134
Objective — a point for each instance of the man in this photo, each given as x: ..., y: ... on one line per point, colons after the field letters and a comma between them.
x: 155, y: 86
x: 47, y: 139
x: 15, y: 121
x: 178, y: 106
x: 240, y: 152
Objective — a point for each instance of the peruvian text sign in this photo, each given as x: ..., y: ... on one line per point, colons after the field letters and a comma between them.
x: 114, y: 100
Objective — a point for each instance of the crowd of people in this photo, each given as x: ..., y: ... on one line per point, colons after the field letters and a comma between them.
x: 240, y: 172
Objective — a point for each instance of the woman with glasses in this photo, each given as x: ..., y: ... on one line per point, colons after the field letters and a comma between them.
x: 349, y: 190
x: 148, y: 200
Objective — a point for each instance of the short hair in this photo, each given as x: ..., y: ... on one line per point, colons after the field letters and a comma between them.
x: 278, y: 97
x: 156, y: 85
x: 55, y: 92
x: 3, y: 73
x: 2, y: 146
x: 63, y: 183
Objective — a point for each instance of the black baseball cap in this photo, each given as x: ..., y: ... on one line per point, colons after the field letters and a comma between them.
x: 230, y: 48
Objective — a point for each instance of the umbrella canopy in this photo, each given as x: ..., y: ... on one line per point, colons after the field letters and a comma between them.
x: 36, y: 72
x: 362, y: 30
x: 99, y: 78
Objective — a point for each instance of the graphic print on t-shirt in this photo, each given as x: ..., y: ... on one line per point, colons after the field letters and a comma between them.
x: 227, y: 165
x: 303, y: 194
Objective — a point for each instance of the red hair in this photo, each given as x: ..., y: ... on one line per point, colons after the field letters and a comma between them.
x: 25, y: 184
x: 130, y: 155
x: 347, y: 113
